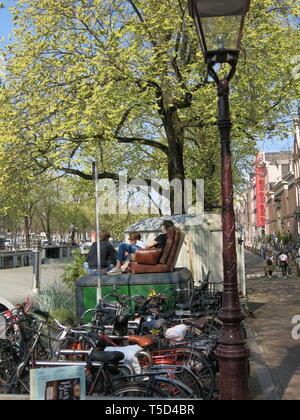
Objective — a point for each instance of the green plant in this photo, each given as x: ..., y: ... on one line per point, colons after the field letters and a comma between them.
x: 64, y: 315
x: 74, y: 270
x: 268, y: 239
x: 58, y: 300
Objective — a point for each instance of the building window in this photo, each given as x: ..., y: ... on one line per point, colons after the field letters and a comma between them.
x: 285, y: 170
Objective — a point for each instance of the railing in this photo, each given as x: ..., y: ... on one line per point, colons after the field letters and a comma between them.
x: 16, y: 259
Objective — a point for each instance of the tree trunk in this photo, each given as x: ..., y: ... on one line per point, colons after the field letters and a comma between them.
x: 27, y: 231
x: 48, y: 232
x: 175, y: 136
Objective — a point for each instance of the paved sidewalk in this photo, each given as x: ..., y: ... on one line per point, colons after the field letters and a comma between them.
x: 16, y: 283
x: 274, y: 353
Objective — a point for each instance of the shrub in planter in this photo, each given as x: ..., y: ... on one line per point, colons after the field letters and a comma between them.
x: 59, y: 301
x: 75, y: 270
x: 64, y: 316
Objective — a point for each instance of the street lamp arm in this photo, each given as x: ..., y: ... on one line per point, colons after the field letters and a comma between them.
x: 213, y: 74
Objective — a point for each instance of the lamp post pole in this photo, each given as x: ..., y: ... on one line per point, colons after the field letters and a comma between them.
x: 232, y: 351
x: 219, y: 25
x: 95, y: 175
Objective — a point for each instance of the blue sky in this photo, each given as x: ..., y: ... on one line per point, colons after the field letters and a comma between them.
x: 267, y: 145
x: 5, y: 21
x: 277, y: 145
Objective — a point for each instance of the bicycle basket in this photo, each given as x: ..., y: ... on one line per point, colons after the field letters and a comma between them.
x: 107, y: 312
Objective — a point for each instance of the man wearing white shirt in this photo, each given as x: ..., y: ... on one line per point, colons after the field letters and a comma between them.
x: 283, y: 263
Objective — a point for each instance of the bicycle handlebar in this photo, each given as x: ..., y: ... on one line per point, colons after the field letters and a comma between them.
x: 48, y: 317
x: 44, y: 314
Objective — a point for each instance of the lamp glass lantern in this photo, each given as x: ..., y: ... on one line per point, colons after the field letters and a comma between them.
x: 219, y: 25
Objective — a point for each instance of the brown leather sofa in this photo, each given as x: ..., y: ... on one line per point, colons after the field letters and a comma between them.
x: 156, y: 260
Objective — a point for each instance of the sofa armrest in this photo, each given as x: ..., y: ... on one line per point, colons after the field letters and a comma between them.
x: 149, y: 256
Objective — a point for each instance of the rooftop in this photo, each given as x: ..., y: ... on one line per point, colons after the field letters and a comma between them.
x: 278, y: 156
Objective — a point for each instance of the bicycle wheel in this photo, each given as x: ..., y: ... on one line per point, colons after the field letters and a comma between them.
x: 136, y: 390
x: 213, y: 327
x: 182, y: 374
x: 19, y: 383
x: 200, y: 367
x: 173, y: 388
x: 8, y: 364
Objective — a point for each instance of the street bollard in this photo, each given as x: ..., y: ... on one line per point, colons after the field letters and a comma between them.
x: 36, y: 271
x: 2, y: 327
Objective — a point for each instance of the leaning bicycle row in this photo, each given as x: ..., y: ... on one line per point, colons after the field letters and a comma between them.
x: 147, y: 351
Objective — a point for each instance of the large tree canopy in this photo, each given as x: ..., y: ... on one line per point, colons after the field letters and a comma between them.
x: 123, y: 82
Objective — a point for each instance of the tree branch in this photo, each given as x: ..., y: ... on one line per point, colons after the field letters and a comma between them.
x: 144, y: 142
x: 138, y: 13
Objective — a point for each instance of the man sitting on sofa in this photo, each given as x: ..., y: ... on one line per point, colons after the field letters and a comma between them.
x: 159, y: 242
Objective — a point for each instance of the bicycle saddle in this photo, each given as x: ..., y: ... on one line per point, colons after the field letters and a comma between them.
x: 107, y: 356
x: 141, y: 340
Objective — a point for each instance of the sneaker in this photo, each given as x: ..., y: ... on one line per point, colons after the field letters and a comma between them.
x: 124, y: 268
x: 114, y: 271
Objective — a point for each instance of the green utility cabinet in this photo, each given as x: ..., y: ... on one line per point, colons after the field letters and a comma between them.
x: 129, y: 285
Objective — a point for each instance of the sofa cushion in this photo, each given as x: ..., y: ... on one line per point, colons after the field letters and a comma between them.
x: 148, y: 256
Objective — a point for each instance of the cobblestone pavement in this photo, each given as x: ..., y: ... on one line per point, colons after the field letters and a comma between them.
x: 274, y: 302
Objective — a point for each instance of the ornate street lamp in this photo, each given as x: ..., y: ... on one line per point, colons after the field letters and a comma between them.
x: 219, y: 24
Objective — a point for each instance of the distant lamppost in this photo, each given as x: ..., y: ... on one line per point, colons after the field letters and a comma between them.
x: 73, y: 230
x: 219, y: 25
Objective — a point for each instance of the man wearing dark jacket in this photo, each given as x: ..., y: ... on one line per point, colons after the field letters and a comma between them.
x: 107, y: 255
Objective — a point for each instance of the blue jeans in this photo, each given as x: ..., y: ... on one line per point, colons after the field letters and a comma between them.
x: 124, y: 247
x: 91, y: 271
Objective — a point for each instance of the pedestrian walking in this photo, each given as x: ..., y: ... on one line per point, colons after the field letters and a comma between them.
x: 289, y: 251
x: 283, y: 262
x: 269, y: 265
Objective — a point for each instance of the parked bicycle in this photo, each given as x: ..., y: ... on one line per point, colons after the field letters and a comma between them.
x: 185, y: 367
x: 159, y: 348
x: 105, y: 373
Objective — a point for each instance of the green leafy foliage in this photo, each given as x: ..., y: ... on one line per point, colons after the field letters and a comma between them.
x: 124, y: 83
x: 74, y: 270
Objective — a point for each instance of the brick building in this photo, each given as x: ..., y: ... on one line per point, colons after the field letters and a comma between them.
x: 268, y: 205
x: 296, y: 159
x: 280, y: 198
x: 271, y: 203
